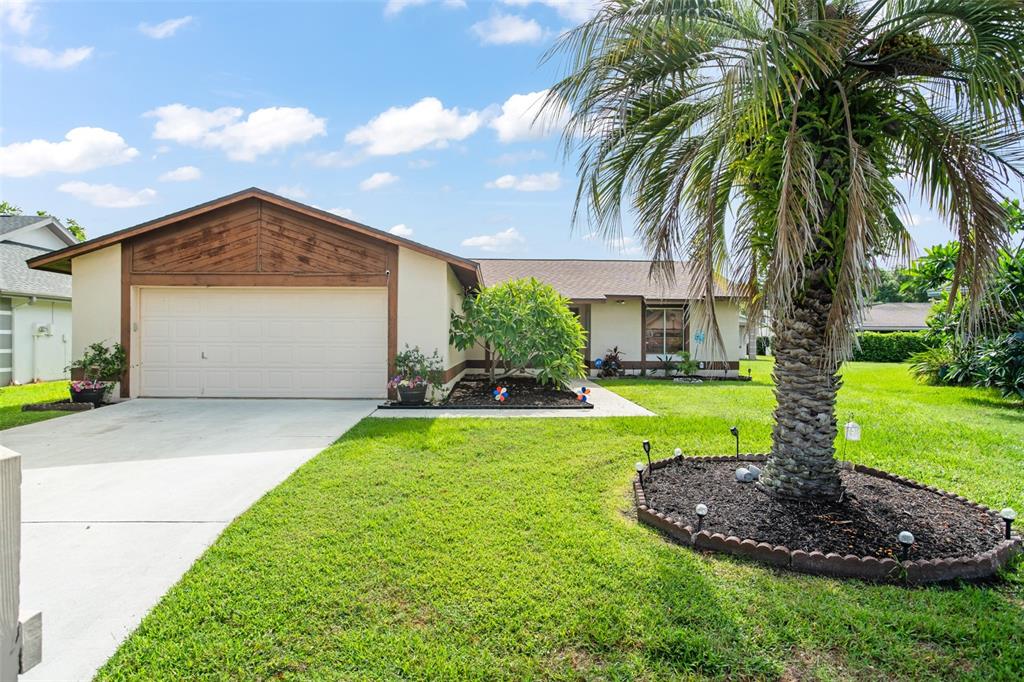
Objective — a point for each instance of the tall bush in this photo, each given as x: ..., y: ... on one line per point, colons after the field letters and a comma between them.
x: 523, y: 324
x: 889, y: 347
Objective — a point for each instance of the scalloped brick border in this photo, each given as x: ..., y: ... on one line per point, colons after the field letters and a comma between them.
x: 983, y: 565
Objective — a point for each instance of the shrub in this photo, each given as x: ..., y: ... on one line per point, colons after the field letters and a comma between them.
x: 932, y: 365
x: 101, y: 364
x: 687, y: 365
x: 889, y: 347
x: 764, y: 343
x: 1001, y: 365
x: 524, y: 324
x: 611, y: 364
x: 414, y: 369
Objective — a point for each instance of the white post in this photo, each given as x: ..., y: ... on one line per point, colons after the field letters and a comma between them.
x: 10, y: 560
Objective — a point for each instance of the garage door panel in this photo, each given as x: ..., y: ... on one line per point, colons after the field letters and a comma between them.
x: 263, y: 342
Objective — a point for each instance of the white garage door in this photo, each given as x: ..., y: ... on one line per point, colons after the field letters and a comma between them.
x: 263, y: 342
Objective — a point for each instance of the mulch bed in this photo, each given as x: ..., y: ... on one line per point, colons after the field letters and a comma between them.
x: 522, y: 392
x: 864, y: 523
x: 58, y: 406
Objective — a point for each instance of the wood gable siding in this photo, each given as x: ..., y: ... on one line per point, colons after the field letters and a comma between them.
x: 256, y: 243
x: 262, y: 242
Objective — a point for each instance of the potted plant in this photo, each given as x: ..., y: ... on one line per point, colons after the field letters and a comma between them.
x: 415, y: 374
x: 101, y: 368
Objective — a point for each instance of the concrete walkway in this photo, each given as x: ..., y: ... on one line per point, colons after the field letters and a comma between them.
x: 120, y: 501
x: 606, y: 404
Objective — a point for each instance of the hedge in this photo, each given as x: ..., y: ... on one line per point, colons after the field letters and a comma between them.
x: 889, y: 347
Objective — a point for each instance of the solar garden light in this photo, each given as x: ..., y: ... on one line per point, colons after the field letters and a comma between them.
x: 906, y: 539
x: 851, y: 431
x: 678, y: 452
x: 647, y: 449
x: 1008, y: 515
x: 702, y: 511
x: 736, y: 434
x: 640, y: 473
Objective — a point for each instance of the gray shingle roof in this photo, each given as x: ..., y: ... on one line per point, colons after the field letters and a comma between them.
x: 17, y: 278
x: 896, y: 317
x: 10, y: 223
x: 598, y: 279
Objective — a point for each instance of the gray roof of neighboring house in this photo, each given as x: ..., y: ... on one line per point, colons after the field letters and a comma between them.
x: 896, y: 317
x: 10, y: 223
x: 580, y: 279
x: 17, y: 278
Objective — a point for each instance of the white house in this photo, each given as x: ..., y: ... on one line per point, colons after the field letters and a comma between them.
x: 35, y: 306
x: 256, y: 295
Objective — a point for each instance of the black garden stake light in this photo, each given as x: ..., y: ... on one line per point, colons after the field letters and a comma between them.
x: 736, y: 434
x: 1008, y: 515
x: 702, y: 511
x: 906, y: 539
x: 640, y: 473
x: 647, y: 450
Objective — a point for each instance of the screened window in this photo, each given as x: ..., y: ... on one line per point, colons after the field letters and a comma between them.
x: 665, y: 331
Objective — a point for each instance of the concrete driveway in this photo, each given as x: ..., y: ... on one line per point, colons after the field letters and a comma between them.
x: 117, y: 503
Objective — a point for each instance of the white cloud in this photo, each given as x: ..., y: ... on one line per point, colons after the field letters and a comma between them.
x: 627, y: 246
x: 502, y: 241
x: 507, y: 29
x: 378, y: 180
x: 108, y: 196
x: 542, y: 182
x: 426, y: 124
x: 262, y: 131
x: 182, y: 174
x: 42, y: 58
x: 338, y: 159
x: 519, y: 157
x: 293, y: 191
x: 420, y: 164
x: 574, y: 10
x: 165, y: 29
x: 394, y: 7
x: 343, y: 212
x: 401, y: 230
x: 18, y: 15
x: 523, y: 117
x: 81, y: 149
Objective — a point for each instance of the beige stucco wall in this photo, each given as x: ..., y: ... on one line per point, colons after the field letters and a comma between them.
x: 615, y: 324
x: 728, y: 316
x: 96, y: 292
x: 427, y: 292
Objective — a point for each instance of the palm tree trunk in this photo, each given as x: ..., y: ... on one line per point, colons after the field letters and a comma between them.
x: 802, y: 460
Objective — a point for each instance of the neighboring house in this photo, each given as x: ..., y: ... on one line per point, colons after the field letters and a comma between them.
x: 620, y: 305
x: 35, y: 306
x: 255, y: 295
x: 895, y: 317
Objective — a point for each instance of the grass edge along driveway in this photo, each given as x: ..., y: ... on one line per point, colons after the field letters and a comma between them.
x: 507, y: 549
x: 13, y: 397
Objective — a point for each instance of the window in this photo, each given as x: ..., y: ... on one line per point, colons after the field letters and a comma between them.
x: 665, y: 331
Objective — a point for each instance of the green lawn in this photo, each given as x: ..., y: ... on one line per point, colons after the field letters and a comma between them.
x: 506, y: 549
x: 13, y: 397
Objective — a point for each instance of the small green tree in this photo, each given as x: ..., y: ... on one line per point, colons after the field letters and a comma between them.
x: 522, y: 323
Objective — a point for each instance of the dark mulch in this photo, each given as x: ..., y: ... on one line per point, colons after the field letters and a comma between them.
x: 866, y: 522
x: 522, y: 392
x: 58, y: 406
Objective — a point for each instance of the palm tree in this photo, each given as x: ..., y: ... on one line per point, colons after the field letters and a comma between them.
x: 793, y: 125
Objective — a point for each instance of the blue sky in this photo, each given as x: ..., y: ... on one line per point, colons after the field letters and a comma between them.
x: 411, y: 115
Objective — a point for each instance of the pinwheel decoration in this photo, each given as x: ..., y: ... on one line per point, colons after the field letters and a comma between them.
x: 500, y: 393
x: 582, y: 394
